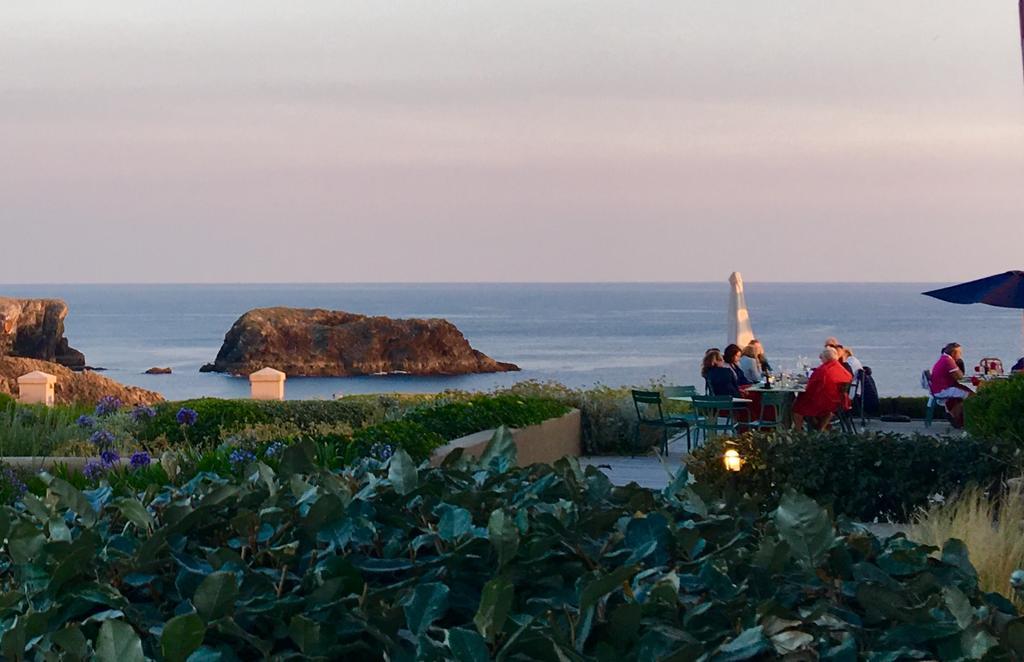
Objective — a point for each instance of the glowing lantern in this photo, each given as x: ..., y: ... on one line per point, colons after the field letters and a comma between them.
x: 732, y: 460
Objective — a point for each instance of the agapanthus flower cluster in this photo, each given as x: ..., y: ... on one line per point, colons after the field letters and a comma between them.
x: 142, y: 412
x: 102, y: 438
x: 187, y: 416
x: 94, y: 469
x: 85, y: 421
x: 139, y: 459
x: 107, y: 405
x: 241, y: 456
x: 110, y: 457
x: 274, y: 449
x: 16, y: 483
x: 382, y: 451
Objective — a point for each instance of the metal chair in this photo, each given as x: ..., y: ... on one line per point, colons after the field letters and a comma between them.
x: 648, y: 403
x: 711, y: 409
x: 690, y: 416
x: 774, y: 400
x: 844, y: 414
x: 933, y: 402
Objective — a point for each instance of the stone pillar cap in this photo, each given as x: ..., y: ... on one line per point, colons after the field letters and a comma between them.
x: 37, y: 377
x: 267, y: 375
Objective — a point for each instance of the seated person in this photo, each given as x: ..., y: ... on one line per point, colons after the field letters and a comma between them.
x: 750, y: 362
x: 732, y: 361
x: 822, y: 396
x: 720, y: 379
x: 945, y: 383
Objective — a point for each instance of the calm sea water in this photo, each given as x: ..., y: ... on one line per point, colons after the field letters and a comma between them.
x: 577, y: 334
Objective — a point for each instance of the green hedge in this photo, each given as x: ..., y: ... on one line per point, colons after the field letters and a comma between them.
x: 6, y: 402
x: 997, y: 411
x: 218, y: 416
x: 914, y: 407
x: 862, y: 476
x: 457, y: 419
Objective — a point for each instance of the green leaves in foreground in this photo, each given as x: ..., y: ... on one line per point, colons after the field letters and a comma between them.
x: 806, y: 528
x: 479, y: 560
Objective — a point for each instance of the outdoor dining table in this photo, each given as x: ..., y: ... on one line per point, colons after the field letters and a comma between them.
x: 777, y: 389
x: 791, y: 392
x: 687, y: 398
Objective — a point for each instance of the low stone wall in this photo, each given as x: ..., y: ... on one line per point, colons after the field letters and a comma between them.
x: 35, y: 463
x: 544, y: 443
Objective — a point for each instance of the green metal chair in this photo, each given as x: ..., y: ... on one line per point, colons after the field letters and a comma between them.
x: 649, y: 413
x: 690, y: 416
x: 774, y: 401
x: 711, y: 409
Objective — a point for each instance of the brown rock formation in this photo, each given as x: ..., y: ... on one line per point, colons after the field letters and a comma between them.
x: 34, y: 328
x: 158, y: 371
x: 86, y: 387
x: 329, y: 343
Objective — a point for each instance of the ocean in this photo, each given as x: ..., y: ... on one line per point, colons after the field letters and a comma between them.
x: 577, y: 334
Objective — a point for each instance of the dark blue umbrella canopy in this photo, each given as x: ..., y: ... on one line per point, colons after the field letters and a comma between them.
x: 1005, y: 290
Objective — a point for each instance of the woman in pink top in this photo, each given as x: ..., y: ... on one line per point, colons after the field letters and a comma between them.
x: 945, y: 383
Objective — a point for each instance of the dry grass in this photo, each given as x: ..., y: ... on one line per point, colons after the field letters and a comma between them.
x: 991, y: 527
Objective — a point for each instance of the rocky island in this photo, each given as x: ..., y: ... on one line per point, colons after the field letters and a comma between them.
x: 333, y: 343
x: 34, y: 329
x: 32, y: 338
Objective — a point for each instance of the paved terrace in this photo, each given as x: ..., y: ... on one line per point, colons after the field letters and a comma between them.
x: 654, y: 472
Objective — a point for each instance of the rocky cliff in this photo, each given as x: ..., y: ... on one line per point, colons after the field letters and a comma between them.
x: 34, y: 328
x: 330, y: 343
x: 81, y: 387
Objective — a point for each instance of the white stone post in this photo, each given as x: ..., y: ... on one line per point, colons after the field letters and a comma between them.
x: 267, y: 384
x: 36, y: 388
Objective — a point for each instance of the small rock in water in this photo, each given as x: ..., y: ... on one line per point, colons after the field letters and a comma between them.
x: 158, y: 371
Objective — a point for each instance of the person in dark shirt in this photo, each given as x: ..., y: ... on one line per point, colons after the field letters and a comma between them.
x: 721, y: 380
x: 1018, y: 366
x: 732, y: 356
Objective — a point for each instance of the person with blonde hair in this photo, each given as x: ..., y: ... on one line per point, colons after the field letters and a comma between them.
x: 750, y: 362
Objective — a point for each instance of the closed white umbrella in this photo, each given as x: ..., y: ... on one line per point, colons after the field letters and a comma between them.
x: 739, y: 319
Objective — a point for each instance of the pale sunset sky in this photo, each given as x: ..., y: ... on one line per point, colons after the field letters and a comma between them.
x: 666, y: 140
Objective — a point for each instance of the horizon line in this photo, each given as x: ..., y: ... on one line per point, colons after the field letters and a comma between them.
x: 482, y: 282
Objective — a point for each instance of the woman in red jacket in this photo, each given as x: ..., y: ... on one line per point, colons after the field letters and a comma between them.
x: 823, y: 396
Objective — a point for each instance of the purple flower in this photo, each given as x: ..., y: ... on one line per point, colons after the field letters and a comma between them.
x: 93, y: 469
x: 109, y: 458
x: 85, y: 421
x: 102, y: 438
x: 142, y: 412
x: 273, y: 449
x: 382, y: 451
x: 187, y: 416
x: 108, y: 404
x: 241, y: 456
x: 15, y: 482
x: 139, y: 459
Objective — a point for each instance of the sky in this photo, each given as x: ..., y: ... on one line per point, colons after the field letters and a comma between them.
x: 536, y: 140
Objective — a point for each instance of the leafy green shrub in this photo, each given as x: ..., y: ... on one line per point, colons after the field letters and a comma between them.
x: 914, y: 407
x: 864, y: 476
x: 218, y: 418
x: 607, y: 415
x: 474, y: 561
x: 6, y: 402
x: 382, y: 440
x: 997, y: 411
x: 483, y: 412
x: 38, y: 430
